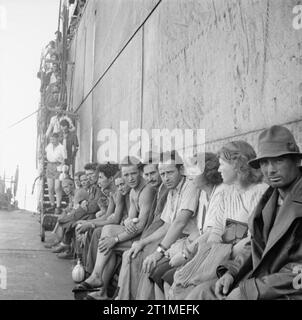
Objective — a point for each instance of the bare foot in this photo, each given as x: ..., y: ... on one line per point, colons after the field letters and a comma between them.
x: 94, y: 282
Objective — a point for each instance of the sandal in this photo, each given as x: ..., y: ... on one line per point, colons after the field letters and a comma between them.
x: 84, y: 286
x: 98, y: 295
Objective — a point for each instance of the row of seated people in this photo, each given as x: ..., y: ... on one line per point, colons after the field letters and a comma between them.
x: 171, y: 237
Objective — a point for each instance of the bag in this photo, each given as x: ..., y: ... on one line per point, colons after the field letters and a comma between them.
x: 49, y: 222
x: 234, y: 231
x: 78, y: 272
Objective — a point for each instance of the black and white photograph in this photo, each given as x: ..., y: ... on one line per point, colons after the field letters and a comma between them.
x: 150, y: 150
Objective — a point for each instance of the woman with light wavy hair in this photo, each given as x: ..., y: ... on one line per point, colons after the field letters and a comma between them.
x: 228, y: 231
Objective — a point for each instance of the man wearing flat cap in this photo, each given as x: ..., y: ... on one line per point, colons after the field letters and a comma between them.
x: 267, y: 267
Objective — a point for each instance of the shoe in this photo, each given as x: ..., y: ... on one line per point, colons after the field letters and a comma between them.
x: 84, y: 286
x: 51, y: 245
x: 60, y: 248
x: 65, y: 255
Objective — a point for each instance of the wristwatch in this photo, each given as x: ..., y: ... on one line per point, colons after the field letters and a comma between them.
x: 160, y: 250
x: 117, y: 240
x: 184, y: 256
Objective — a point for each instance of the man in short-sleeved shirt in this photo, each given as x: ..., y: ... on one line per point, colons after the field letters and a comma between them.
x: 179, y: 215
x: 183, y: 197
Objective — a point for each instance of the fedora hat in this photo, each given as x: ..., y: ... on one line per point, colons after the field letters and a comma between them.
x: 275, y: 142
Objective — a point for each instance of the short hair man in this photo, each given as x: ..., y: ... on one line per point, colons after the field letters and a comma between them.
x: 84, y: 181
x: 116, y: 213
x: 55, y: 156
x: 128, y: 279
x: 267, y: 266
x: 178, y: 216
x: 109, y: 200
x: 121, y: 237
x: 91, y: 171
x: 76, y: 178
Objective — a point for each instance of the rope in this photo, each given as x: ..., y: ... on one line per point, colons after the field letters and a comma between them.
x: 117, y: 56
x: 18, y: 122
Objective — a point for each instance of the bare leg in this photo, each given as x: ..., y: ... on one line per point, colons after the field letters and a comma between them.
x: 58, y: 190
x: 96, y: 278
x: 107, y: 275
x: 50, y: 184
x: 159, y: 295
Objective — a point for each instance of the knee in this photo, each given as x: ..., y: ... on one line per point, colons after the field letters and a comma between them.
x: 97, y: 233
x: 204, y: 291
x: 108, y: 231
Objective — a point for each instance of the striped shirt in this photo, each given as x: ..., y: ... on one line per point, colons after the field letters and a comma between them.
x: 237, y: 205
x: 208, y: 207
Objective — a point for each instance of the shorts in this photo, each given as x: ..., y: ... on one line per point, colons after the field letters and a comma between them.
x: 52, y: 171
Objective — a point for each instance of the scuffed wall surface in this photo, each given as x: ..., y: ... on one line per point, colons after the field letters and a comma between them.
x: 117, y: 21
x: 216, y: 65
x: 232, y: 67
x: 118, y: 96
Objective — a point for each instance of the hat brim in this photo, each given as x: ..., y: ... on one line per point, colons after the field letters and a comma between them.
x: 255, y: 163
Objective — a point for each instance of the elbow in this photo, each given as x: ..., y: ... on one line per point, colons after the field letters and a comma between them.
x: 179, y: 224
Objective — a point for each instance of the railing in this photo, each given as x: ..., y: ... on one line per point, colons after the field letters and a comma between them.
x: 45, y: 111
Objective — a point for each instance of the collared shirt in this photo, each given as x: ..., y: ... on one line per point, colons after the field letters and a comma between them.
x: 184, y: 197
x: 55, y: 153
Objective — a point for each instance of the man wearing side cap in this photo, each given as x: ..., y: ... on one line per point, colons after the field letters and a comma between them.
x: 267, y: 267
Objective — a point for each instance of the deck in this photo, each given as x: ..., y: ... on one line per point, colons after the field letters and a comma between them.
x: 33, y: 272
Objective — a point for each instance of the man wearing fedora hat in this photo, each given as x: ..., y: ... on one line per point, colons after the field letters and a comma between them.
x: 267, y: 266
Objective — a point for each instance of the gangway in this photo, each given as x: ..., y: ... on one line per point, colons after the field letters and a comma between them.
x: 48, y: 219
